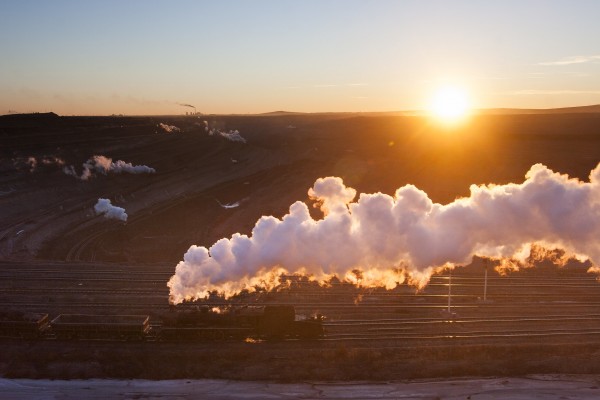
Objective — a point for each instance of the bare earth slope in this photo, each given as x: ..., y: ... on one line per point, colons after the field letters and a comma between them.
x: 47, y: 214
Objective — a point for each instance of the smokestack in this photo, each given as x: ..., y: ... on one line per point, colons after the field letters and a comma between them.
x: 390, y: 238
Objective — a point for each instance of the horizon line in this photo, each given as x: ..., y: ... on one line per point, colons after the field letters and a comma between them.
x: 406, y: 113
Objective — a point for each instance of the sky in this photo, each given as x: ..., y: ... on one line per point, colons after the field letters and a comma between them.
x: 147, y: 57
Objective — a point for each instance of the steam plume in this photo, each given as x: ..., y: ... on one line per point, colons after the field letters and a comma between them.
x: 105, y: 165
x: 389, y: 238
x: 169, y: 128
x: 233, y: 136
x: 103, y: 206
x: 32, y: 163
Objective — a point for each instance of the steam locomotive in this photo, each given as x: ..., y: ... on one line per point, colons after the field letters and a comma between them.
x: 269, y: 322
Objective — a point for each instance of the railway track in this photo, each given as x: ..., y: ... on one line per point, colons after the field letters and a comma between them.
x: 521, y: 307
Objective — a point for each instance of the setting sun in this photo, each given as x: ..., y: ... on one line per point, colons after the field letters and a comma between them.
x: 450, y: 104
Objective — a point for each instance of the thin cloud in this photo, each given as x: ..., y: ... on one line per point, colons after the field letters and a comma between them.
x: 572, y: 60
x: 340, y: 85
x: 550, y: 92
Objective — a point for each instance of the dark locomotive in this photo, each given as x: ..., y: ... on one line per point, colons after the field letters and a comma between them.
x: 269, y: 322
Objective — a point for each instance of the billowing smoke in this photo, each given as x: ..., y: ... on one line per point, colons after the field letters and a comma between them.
x: 169, y: 128
x: 103, y: 206
x: 105, y: 165
x: 233, y: 136
x: 405, y: 236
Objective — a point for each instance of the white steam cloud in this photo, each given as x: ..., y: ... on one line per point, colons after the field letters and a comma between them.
x: 232, y: 205
x: 103, y: 206
x: 390, y: 238
x: 105, y: 165
x: 169, y: 128
x: 233, y: 136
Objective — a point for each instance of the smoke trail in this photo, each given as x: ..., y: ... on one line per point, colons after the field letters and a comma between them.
x: 32, y: 163
x: 53, y: 160
x: 388, y: 238
x: 233, y: 136
x: 169, y: 128
x: 103, y: 206
x: 186, y: 105
x: 105, y: 165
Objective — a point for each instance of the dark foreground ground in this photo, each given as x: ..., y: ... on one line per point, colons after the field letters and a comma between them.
x: 60, y: 258
x: 292, y: 362
x: 542, y: 387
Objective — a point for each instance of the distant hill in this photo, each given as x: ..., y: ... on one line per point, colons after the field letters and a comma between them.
x: 30, y: 116
x: 484, y: 111
x: 278, y: 113
x: 564, y: 110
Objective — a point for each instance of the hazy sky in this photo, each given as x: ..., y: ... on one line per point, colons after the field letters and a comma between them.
x: 144, y: 57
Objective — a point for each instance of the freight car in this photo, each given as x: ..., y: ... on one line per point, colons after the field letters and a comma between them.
x: 101, y: 327
x: 257, y: 322
x: 20, y: 325
x: 269, y: 322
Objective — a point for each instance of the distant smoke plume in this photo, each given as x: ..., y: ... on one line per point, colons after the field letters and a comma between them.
x: 233, y: 136
x: 31, y: 163
x: 405, y: 236
x: 169, y: 128
x: 105, y: 165
x: 52, y: 160
x: 187, y: 105
x: 103, y: 206
x: 204, y: 125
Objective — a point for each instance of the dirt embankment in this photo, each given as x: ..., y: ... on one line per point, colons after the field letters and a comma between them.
x: 49, y: 215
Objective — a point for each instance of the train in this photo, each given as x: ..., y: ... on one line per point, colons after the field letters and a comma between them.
x: 201, y: 323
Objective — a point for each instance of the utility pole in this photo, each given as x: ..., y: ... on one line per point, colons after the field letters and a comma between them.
x: 449, y: 290
x: 485, y: 281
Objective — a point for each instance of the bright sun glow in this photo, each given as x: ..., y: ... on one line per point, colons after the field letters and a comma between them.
x: 450, y: 104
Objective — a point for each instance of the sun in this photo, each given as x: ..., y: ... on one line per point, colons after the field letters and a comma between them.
x: 450, y: 104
